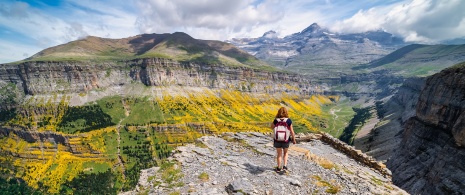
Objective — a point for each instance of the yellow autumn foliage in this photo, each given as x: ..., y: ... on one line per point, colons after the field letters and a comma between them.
x: 45, y: 162
x: 188, y: 114
x: 216, y: 107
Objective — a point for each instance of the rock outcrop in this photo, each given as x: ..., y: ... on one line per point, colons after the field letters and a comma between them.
x: 431, y: 157
x: 243, y: 163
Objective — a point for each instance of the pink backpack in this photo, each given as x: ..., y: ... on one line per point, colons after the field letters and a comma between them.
x: 281, y: 130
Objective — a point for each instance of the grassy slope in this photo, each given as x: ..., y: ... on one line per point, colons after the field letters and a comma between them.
x: 338, y: 115
x: 419, y: 60
x: 177, y: 46
x: 459, y: 66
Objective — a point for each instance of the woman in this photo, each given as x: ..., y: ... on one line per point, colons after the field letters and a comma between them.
x: 282, y: 146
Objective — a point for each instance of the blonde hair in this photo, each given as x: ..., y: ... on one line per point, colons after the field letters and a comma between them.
x: 282, y: 113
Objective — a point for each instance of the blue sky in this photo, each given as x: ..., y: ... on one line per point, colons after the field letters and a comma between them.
x: 29, y: 26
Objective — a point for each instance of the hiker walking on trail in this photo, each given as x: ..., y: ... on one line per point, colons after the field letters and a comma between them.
x: 283, y: 135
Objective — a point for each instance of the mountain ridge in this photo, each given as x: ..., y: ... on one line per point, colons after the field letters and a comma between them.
x: 418, y: 60
x: 318, y: 52
x: 177, y: 46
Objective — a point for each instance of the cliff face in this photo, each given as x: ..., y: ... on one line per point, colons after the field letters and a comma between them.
x: 442, y: 103
x: 66, y: 77
x: 73, y: 77
x: 384, y: 139
x: 431, y: 157
x: 156, y: 72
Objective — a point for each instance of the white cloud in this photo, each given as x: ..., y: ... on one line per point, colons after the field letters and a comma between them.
x: 362, y: 21
x: 426, y: 21
x: 204, y: 18
x: 225, y: 19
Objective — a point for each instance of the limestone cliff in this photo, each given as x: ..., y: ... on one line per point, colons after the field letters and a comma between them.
x: 431, y: 157
x: 44, y: 77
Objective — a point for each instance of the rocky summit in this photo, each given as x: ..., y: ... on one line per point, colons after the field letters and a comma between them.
x: 244, y: 163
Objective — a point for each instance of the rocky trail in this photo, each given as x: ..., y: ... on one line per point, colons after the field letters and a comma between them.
x: 243, y: 163
x: 333, y: 111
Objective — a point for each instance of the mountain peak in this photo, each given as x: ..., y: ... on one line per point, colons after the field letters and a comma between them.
x: 182, y: 34
x: 270, y: 34
x: 312, y: 28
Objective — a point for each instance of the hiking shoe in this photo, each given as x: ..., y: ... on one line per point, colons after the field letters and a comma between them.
x: 285, y: 169
x: 278, y: 170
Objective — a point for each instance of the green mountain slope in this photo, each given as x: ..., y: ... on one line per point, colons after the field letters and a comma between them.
x: 177, y: 46
x: 418, y: 60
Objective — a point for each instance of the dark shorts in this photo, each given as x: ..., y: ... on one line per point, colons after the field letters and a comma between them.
x: 281, y: 144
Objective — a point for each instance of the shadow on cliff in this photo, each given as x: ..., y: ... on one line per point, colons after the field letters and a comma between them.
x: 145, y: 42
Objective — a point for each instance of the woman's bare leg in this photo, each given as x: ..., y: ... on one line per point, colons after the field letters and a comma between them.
x: 285, y: 156
x: 279, y: 152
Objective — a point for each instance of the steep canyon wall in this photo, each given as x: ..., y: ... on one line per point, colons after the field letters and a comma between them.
x: 431, y: 156
x: 384, y: 139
